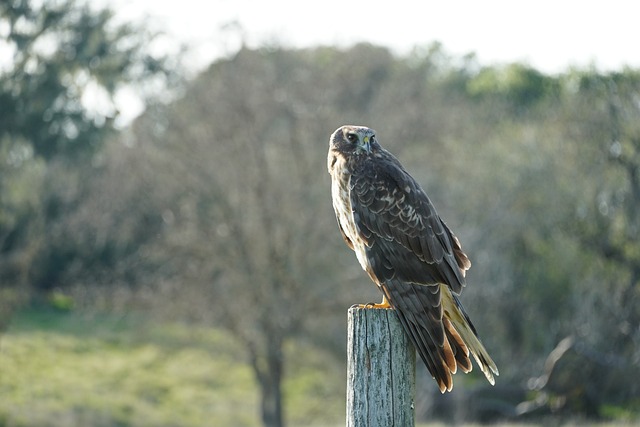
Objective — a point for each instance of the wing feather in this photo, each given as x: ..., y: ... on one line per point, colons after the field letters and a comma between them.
x: 389, y: 204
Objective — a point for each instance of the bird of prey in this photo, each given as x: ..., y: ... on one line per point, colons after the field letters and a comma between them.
x: 407, y: 250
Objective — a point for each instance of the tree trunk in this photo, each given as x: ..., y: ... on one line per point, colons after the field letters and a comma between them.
x: 268, y: 368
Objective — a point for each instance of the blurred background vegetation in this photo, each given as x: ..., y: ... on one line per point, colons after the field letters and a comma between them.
x: 187, y: 270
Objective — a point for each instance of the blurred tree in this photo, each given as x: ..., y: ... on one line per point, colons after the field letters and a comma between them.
x: 610, y: 226
x: 518, y: 84
x: 242, y: 156
x: 67, y: 63
x: 606, y: 122
x: 561, y: 237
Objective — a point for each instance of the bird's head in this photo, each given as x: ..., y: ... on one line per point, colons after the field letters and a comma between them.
x: 353, y: 140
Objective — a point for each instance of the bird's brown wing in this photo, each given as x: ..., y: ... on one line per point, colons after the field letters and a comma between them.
x: 411, y: 252
x: 392, y: 212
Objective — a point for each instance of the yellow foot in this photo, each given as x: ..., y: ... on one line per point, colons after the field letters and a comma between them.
x: 383, y: 304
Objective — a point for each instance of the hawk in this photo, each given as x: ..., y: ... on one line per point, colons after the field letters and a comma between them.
x: 386, y: 218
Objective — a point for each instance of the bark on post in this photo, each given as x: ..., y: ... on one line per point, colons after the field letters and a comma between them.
x: 381, y: 365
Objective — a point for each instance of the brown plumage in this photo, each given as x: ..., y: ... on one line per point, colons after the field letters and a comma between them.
x: 407, y: 250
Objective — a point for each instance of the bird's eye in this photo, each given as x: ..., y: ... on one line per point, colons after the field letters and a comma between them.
x: 352, y: 137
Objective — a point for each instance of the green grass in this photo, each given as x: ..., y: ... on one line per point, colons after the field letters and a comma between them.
x: 69, y: 369
x: 63, y: 368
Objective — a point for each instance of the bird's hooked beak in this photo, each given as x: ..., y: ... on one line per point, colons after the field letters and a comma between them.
x: 366, y: 144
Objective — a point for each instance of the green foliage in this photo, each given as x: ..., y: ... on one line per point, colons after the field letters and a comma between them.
x: 516, y: 83
x: 67, y: 64
x: 61, y: 301
x: 64, y: 54
x: 21, y: 182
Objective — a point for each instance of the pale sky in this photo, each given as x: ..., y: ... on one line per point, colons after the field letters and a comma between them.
x: 550, y: 35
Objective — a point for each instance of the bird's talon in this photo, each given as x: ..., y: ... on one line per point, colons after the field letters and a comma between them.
x: 384, y: 304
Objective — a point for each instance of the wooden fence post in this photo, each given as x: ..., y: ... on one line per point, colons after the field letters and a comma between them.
x: 381, y: 367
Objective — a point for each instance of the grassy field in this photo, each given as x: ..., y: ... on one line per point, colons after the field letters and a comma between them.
x: 67, y: 369
x: 72, y: 369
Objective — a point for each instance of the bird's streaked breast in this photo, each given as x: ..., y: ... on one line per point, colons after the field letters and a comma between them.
x: 340, y: 177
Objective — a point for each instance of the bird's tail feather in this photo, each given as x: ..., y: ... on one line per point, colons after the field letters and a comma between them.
x: 418, y: 311
x: 459, y: 327
x: 439, y: 328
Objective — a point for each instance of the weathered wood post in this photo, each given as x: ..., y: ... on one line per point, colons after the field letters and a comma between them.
x: 381, y: 370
